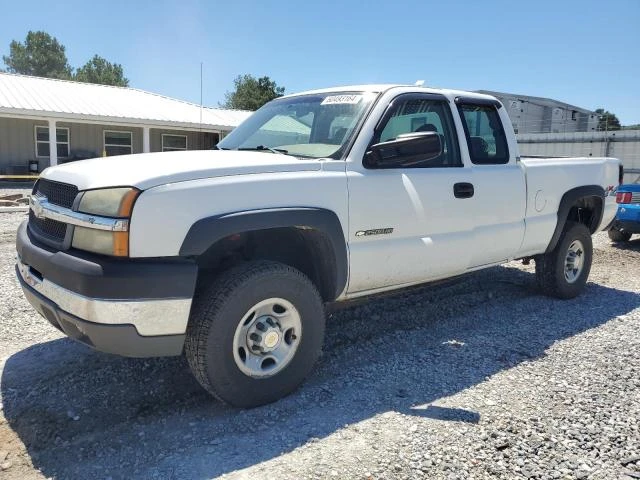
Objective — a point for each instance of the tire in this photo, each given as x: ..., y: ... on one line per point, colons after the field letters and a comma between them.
x: 222, y: 352
x: 618, y: 235
x: 551, y: 276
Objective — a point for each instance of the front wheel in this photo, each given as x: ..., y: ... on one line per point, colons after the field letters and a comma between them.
x: 255, y: 333
x: 563, y: 272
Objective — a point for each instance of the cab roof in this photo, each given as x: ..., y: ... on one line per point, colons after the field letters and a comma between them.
x: 379, y: 88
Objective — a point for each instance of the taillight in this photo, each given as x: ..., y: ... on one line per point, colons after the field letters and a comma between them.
x: 623, y: 197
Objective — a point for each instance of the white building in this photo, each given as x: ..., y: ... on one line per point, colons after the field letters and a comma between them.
x: 45, y: 122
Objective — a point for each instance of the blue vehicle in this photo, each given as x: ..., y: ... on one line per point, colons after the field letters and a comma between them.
x: 627, y: 220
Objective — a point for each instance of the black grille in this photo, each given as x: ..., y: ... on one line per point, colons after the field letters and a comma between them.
x: 57, y: 193
x: 47, y: 228
x: 50, y: 231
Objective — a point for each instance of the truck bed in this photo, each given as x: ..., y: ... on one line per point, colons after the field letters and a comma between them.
x: 548, y: 178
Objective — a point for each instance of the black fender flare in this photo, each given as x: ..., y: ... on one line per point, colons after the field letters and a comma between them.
x: 207, y: 231
x: 568, y: 200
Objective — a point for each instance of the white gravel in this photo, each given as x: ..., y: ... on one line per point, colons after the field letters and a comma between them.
x: 481, y: 378
x: 15, y: 189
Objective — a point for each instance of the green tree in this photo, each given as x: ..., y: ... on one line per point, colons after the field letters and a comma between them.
x: 40, y: 55
x: 251, y: 93
x: 99, y: 70
x: 608, y: 120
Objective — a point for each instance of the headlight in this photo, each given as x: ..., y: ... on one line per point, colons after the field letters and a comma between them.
x: 101, y: 241
x: 109, y: 202
x: 112, y: 202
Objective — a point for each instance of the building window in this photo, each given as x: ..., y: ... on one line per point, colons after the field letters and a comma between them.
x: 171, y: 143
x: 42, y: 142
x: 117, y: 143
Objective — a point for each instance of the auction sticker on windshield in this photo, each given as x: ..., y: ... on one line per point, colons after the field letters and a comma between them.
x: 341, y: 99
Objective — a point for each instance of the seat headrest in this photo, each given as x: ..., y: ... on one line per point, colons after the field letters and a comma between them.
x: 479, y: 149
x: 427, y: 127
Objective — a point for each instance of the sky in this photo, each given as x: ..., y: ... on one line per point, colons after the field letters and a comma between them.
x: 582, y: 52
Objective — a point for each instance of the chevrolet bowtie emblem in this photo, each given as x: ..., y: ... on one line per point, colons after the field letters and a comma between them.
x: 36, y: 206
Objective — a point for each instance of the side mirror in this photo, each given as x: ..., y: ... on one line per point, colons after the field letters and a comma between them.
x: 404, y: 150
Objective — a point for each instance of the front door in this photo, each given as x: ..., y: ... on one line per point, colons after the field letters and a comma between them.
x: 411, y: 224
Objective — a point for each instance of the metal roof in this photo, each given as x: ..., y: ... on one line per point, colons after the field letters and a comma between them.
x: 63, y: 99
x: 542, y: 101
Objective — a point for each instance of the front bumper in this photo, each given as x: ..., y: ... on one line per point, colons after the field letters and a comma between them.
x: 127, y: 307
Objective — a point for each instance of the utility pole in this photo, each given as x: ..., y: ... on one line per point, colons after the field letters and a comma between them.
x: 200, y: 139
x: 606, y: 135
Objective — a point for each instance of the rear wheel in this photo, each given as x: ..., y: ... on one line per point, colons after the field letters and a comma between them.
x: 255, y: 333
x: 563, y: 272
x: 618, y: 235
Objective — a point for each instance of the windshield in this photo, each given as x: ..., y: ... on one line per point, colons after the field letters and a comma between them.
x: 315, y: 126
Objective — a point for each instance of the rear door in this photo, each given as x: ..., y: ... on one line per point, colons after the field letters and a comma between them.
x: 499, y: 183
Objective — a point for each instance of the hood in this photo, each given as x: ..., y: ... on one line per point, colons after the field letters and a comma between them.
x: 148, y: 170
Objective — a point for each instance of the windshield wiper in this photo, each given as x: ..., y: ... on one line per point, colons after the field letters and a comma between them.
x: 267, y: 149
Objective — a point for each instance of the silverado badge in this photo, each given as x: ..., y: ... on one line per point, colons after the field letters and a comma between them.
x: 375, y: 231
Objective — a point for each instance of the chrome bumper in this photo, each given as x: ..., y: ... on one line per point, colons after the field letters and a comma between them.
x: 150, y: 317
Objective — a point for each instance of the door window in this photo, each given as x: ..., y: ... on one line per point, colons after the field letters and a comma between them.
x: 485, y: 135
x: 411, y: 113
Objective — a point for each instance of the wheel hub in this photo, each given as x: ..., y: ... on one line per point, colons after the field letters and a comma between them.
x: 265, y: 335
x: 267, y: 338
x: 574, y: 261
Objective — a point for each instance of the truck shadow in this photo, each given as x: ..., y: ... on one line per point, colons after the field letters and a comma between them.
x: 83, y: 414
x: 633, y: 244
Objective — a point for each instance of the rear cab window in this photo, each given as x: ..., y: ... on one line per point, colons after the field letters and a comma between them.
x: 485, y: 134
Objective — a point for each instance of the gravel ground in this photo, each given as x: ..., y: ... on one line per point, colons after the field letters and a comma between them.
x: 481, y: 378
x: 11, y: 188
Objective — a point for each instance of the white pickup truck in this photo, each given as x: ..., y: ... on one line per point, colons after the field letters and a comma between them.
x: 231, y: 255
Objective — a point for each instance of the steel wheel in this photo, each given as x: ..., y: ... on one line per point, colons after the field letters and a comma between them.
x: 574, y: 261
x: 267, y: 338
x: 563, y: 272
x: 244, y: 340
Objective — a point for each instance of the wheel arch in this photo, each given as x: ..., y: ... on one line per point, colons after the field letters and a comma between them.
x: 310, y: 239
x: 583, y: 204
